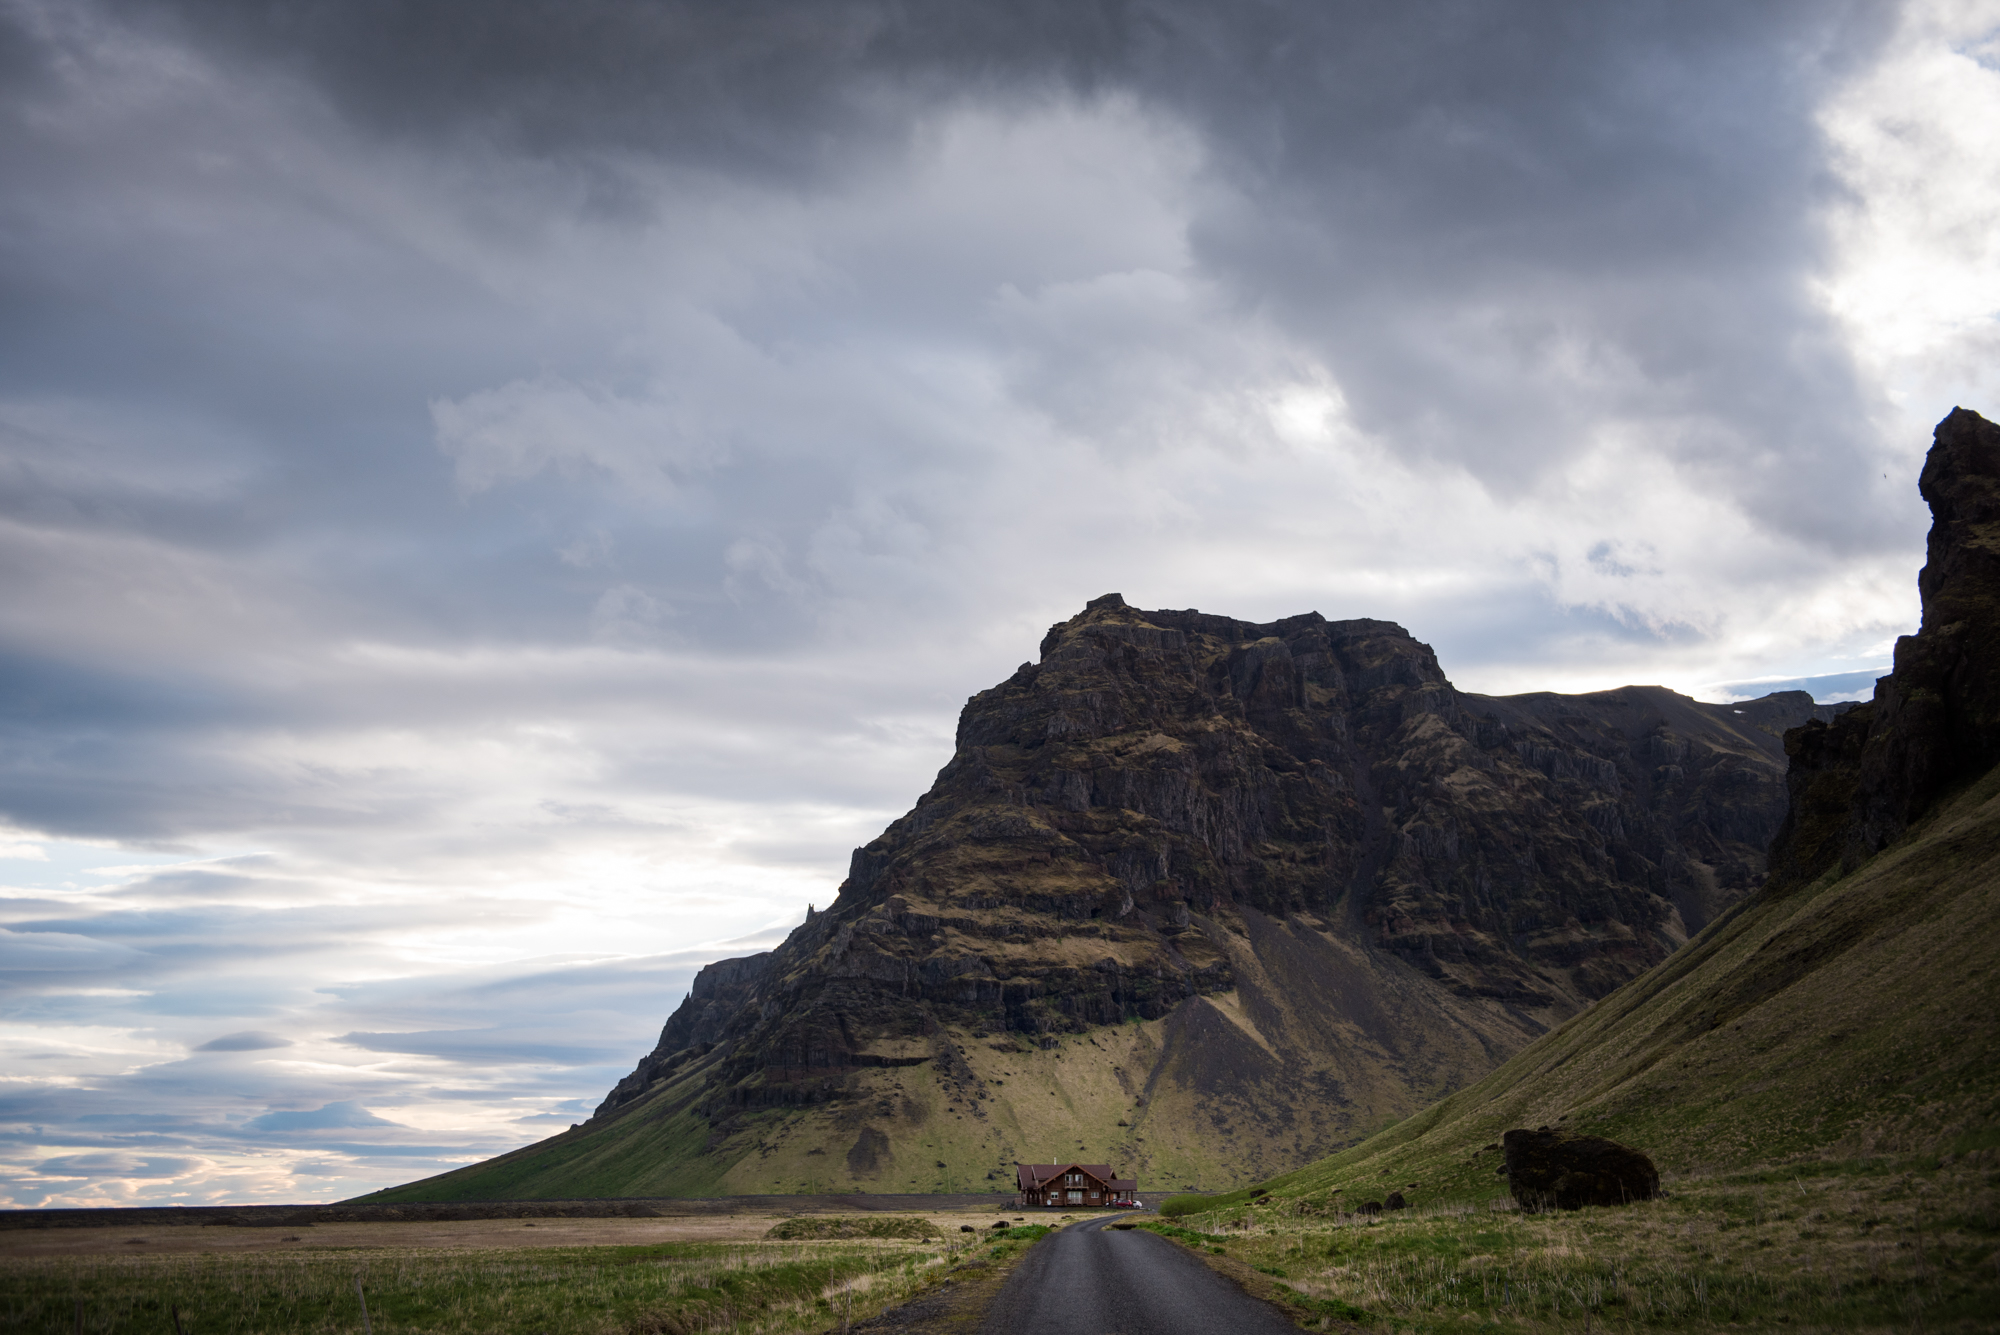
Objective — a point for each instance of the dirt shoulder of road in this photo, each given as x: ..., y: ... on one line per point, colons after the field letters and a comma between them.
x: 1267, y: 1290
x: 957, y: 1306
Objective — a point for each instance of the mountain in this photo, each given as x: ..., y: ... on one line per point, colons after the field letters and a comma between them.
x: 1844, y: 1013
x: 1201, y: 898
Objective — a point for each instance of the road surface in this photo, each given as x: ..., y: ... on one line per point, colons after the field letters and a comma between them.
x: 1091, y: 1279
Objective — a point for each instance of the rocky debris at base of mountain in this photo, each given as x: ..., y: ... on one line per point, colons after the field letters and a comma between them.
x: 1550, y: 1170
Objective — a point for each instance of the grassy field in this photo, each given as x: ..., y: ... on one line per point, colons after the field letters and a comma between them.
x: 1854, y: 1247
x: 652, y: 1289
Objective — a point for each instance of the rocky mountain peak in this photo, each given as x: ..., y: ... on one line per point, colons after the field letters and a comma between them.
x: 1281, y: 879
x: 1859, y: 782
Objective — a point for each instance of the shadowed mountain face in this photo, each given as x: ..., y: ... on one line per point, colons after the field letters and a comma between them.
x: 1845, y: 1011
x: 1200, y: 898
x: 1935, y: 721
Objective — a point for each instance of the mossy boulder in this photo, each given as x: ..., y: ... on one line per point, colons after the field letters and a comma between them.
x: 810, y: 1227
x: 1547, y: 1170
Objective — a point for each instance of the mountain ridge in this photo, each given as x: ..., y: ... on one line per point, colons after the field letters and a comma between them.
x: 1201, y: 898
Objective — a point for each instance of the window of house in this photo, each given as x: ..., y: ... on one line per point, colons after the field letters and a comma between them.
x: 1076, y: 1198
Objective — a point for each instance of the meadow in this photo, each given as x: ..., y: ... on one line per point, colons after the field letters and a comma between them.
x: 1848, y: 1247
x: 672, y: 1288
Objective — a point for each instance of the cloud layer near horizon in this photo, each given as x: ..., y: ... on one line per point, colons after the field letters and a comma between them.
x: 494, y: 510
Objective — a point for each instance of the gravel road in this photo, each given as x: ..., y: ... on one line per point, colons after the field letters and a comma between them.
x: 1091, y: 1279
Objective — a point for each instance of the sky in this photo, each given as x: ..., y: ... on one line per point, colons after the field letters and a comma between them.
x: 497, y: 499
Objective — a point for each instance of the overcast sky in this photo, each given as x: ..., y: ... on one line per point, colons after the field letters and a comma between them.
x: 498, y: 499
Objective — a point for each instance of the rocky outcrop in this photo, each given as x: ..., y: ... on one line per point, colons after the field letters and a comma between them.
x: 1375, y: 885
x: 1547, y: 1170
x: 1858, y: 782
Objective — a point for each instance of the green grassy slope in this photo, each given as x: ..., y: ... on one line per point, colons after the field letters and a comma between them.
x: 1851, y: 1020
x: 662, y: 1134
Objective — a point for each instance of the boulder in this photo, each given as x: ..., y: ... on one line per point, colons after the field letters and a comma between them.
x: 1550, y: 1170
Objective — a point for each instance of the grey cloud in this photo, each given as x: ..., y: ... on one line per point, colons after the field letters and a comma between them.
x: 341, y: 1116
x: 364, y: 1151
x: 780, y: 88
x: 550, y: 1121
x: 113, y: 1165
x: 41, y: 950
x: 1506, y: 223
x: 158, y: 1123
x: 1500, y: 223
x: 248, y: 1040
x: 557, y: 1048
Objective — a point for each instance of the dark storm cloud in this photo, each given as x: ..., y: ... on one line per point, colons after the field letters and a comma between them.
x: 1462, y: 201
x: 1501, y: 224
x: 780, y: 87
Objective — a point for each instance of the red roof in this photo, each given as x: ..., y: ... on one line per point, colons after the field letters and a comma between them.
x: 1036, y: 1176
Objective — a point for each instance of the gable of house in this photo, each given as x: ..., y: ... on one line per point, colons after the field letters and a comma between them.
x: 1065, y: 1184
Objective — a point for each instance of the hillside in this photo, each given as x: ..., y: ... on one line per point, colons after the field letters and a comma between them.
x: 1843, y: 1017
x: 1201, y: 898
x: 1850, y: 1021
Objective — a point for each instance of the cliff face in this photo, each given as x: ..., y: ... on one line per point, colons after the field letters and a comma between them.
x: 1200, y: 898
x: 1158, y: 776
x: 1858, y: 782
x: 1846, y: 1012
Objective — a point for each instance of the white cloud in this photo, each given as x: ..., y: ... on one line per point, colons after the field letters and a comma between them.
x: 1916, y: 140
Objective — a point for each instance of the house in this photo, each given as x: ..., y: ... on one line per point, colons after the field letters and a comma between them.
x: 1073, y: 1184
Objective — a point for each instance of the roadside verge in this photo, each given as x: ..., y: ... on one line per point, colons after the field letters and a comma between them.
x: 958, y: 1302
x: 1298, y: 1308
